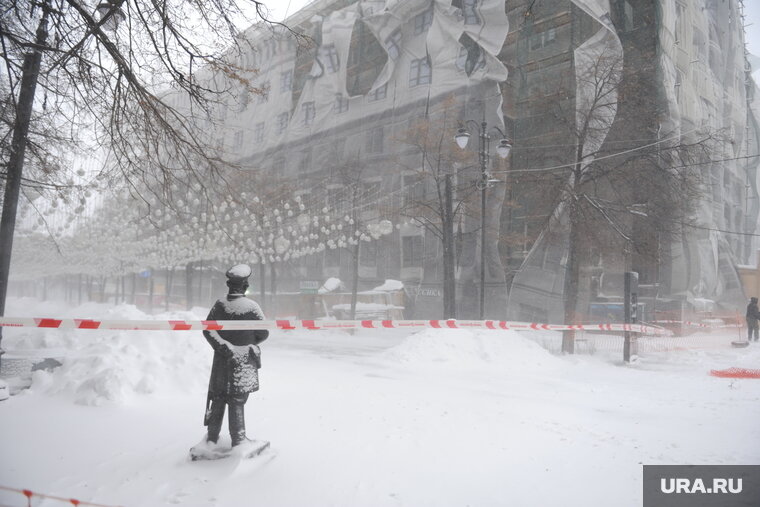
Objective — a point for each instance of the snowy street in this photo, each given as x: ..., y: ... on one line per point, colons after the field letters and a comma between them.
x: 370, y: 253
x: 442, y: 417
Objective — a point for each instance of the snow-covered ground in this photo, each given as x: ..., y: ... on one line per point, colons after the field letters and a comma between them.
x: 437, y: 418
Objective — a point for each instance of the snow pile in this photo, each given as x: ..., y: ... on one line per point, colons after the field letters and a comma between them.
x: 367, y: 306
x: 330, y: 285
x: 39, y: 338
x: 390, y: 286
x: 123, y: 365
x: 114, y: 367
x: 473, y: 348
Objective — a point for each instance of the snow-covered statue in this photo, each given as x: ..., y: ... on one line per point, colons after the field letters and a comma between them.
x: 237, y: 359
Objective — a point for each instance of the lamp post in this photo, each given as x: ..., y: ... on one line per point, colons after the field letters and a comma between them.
x: 486, y: 180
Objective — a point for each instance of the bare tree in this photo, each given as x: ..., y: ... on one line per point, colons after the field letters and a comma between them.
x: 100, y: 79
x: 620, y: 193
x: 441, y: 193
x: 354, y: 200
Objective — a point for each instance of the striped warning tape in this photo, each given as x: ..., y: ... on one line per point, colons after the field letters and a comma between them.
x: 29, y: 494
x: 698, y: 324
x: 215, y: 325
x: 736, y: 373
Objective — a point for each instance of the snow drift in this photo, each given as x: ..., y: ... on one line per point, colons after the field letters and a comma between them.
x: 113, y: 367
x: 472, y: 348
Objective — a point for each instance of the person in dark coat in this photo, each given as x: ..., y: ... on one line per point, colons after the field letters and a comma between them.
x: 753, y: 314
x: 237, y: 358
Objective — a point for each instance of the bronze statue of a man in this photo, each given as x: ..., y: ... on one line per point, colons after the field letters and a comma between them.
x: 237, y: 359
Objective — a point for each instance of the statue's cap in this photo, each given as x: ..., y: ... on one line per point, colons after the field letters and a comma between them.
x: 239, y: 272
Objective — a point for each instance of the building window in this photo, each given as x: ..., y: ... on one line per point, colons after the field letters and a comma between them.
x: 470, y: 60
x: 270, y: 48
x: 308, y: 113
x: 341, y: 103
x: 411, y: 251
x: 371, y: 191
x: 258, y: 132
x: 375, y: 140
x: 542, y: 39
x: 286, y: 81
x: 330, y: 58
x: 629, y: 21
x: 332, y: 257
x: 339, y: 145
x: 379, y: 94
x: 393, y: 45
x: 243, y: 100
x: 414, y: 190
x: 368, y: 256
x: 550, y: 36
x: 422, y: 21
x: 237, y: 140
x: 420, y: 72
x: 250, y: 60
x: 264, y: 95
x: 470, y: 12
x: 536, y: 41
x: 304, y: 163
x: 335, y: 200
x: 282, y: 122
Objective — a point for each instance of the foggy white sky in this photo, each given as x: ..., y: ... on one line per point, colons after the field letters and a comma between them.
x: 280, y: 9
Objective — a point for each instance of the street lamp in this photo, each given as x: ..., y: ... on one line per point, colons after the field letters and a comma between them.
x: 110, y: 14
x: 462, y: 137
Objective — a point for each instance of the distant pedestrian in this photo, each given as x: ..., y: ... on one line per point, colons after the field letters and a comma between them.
x: 753, y: 314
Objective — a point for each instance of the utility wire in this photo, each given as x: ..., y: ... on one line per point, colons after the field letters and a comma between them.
x: 719, y: 230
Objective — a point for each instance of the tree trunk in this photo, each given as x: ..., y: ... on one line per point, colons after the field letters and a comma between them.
x: 449, y: 261
x: 133, y: 288
x: 15, y: 167
x: 263, y: 278
x: 189, y: 284
x: 150, y: 292
x: 200, y: 283
x: 168, y: 291
x: 103, y: 280
x: 79, y: 289
x: 273, y: 285
x: 572, y: 275
x: 355, y: 279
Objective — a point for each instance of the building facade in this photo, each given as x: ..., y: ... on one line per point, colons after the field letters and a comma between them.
x: 350, y: 85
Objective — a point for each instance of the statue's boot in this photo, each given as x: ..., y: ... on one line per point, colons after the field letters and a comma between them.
x: 237, y: 423
x: 215, y: 418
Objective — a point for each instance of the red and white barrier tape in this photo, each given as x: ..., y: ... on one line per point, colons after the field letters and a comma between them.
x: 209, y: 325
x: 698, y: 324
x: 29, y: 494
